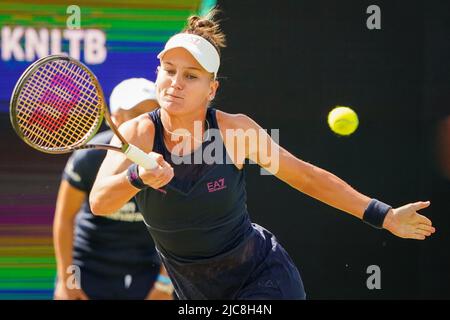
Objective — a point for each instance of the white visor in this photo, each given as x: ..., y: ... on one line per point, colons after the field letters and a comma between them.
x: 200, y: 48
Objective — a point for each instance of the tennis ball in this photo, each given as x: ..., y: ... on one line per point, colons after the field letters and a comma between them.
x: 343, y: 120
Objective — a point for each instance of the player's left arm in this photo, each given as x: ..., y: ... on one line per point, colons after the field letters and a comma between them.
x: 324, y: 186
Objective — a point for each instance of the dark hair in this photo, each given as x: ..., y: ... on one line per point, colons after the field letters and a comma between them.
x: 207, y: 27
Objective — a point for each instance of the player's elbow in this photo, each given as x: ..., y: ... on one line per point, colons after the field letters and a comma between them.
x: 98, y: 207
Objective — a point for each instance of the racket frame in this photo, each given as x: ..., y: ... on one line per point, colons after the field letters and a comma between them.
x: 132, y: 152
x: 103, y: 114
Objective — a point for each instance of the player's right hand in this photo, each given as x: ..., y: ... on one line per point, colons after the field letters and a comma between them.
x: 64, y: 293
x: 158, y: 177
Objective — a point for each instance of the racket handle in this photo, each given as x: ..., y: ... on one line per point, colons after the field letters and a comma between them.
x: 140, y: 157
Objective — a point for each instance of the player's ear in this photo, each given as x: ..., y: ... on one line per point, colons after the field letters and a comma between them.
x: 213, y: 89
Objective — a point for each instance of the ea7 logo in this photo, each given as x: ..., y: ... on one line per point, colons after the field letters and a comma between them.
x: 216, y: 185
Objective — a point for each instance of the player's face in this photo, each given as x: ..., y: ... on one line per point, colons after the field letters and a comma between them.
x: 183, y: 86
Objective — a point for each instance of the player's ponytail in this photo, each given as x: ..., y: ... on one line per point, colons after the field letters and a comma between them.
x: 207, y: 27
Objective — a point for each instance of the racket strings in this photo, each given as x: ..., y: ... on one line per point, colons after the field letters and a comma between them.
x: 42, y: 117
x: 52, y: 118
x: 59, y: 106
x: 70, y: 131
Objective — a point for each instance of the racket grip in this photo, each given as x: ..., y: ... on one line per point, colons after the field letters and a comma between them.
x: 140, y: 157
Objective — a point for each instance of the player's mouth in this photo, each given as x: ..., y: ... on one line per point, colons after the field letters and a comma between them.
x: 170, y: 96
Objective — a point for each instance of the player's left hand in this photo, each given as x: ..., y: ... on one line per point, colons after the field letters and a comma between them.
x: 405, y: 222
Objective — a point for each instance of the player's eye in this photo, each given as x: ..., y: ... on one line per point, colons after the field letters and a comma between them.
x: 170, y: 71
x: 191, y: 76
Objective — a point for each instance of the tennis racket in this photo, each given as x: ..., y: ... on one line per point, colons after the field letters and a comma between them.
x: 58, y: 105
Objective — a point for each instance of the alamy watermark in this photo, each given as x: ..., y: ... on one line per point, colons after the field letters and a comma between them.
x: 74, y: 20
x: 73, y: 281
x: 374, y: 280
x: 373, y: 22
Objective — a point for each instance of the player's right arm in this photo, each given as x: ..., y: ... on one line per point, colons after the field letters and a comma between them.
x: 112, y: 189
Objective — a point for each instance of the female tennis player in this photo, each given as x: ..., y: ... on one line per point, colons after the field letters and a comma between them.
x: 196, y: 212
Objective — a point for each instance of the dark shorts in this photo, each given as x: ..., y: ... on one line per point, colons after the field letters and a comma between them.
x: 259, y: 268
x: 276, y: 278
x: 133, y: 286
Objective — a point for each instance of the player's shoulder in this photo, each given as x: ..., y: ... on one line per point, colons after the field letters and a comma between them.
x: 141, y: 125
x: 139, y: 131
x: 234, y: 120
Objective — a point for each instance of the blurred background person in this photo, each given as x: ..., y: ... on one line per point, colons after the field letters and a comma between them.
x: 106, y: 257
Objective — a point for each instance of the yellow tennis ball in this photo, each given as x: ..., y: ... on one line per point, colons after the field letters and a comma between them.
x: 343, y: 120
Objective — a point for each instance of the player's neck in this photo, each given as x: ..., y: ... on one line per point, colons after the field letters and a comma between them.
x: 191, y: 127
x: 186, y: 122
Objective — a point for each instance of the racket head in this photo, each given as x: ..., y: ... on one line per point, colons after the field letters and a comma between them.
x: 57, y: 105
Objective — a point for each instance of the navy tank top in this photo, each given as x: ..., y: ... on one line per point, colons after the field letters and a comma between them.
x: 203, y: 212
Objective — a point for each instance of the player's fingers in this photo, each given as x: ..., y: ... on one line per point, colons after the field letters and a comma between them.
x: 157, y: 178
x: 164, y: 175
x: 164, y: 170
x: 165, y: 179
x: 426, y: 227
x: 417, y: 236
x: 159, y: 159
x: 424, y: 220
x: 156, y: 181
x: 164, y: 164
x: 169, y: 173
x: 158, y: 172
x: 161, y: 175
x: 422, y: 232
x: 420, y: 205
x: 160, y: 184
